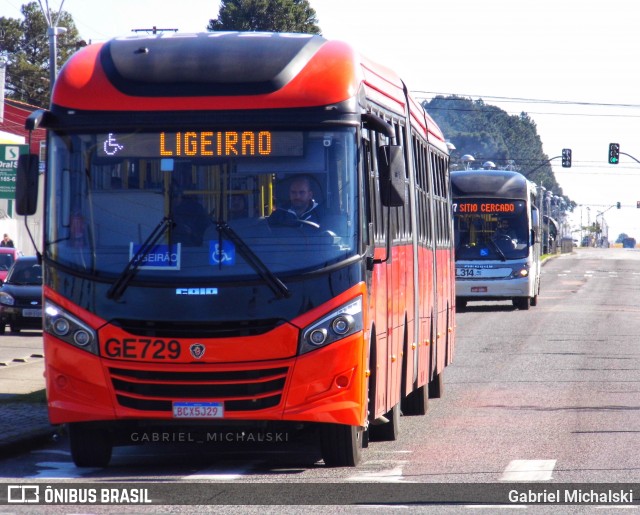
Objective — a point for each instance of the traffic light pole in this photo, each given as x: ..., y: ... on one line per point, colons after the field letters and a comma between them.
x: 629, y: 155
x: 541, y: 165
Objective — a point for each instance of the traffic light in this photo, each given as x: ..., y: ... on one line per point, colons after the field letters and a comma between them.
x: 566, y: 158
x: 614, y: 153
x: 618, y: 205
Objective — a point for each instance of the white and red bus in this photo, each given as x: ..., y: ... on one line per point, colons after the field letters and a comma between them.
x: 174, y: 298
x: 497, y: 234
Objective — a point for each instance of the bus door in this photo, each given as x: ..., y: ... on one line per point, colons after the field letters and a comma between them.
x: 396, y: 286
x: 379, y: 282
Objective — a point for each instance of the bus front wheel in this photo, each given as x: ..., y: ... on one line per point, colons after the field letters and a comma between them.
x: 341, y: 445
x: 90, y: 445
x: 521, y: 303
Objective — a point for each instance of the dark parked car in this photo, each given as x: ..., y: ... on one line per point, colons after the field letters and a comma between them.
x: 21, y: 296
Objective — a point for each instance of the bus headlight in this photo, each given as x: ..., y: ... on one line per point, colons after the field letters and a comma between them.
x: 68, y: 328
x: 520, y: 272
x: 341, y: 322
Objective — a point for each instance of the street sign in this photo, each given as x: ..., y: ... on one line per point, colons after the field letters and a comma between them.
x: 8, y: 167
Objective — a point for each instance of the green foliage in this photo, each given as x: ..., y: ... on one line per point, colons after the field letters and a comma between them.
x: 266, y: 15
x: 25, y: 44
x: 490, y: 134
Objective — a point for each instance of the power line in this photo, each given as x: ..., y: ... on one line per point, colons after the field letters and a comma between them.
x: 526, y: 100
x: 491, y: 102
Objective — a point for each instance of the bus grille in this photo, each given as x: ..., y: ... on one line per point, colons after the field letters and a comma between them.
x: 155, y: 390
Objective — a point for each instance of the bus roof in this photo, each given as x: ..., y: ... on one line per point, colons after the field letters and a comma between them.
x: 491, y: 184
x: 228, y: 71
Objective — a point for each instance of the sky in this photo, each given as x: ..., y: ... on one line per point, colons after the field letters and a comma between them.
x: 571, y: 65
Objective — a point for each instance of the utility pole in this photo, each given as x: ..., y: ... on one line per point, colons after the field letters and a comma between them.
x: 53, y: 32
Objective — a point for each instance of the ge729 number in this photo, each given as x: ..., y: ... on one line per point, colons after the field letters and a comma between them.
x: 142, y: 348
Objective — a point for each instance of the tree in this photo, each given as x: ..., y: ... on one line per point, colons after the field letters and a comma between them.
x: 266, y: 15
x: 25, y: 44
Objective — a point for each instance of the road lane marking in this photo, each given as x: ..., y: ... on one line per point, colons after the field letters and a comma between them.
x: 60, y: 470
x: 215, y: 474
x: 393, y: 475
x: 529, y: 470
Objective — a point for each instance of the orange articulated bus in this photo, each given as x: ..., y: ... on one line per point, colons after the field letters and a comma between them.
x: 183, y: 286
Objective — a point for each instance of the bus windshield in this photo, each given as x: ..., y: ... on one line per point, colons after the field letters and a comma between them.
x: 201, y: 203
x: 490, y: 229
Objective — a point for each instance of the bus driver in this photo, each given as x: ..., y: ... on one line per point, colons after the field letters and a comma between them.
x: 505, y: 231
x: 302, y: 206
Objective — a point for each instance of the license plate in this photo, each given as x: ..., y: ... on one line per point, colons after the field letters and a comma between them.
x: 468, y: 272
x: 32, y: 312
x: 198, y: 410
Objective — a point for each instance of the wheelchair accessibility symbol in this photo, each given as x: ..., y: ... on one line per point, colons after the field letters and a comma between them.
x: 224, y: 255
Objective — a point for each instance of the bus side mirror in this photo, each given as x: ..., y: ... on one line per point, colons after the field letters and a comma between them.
x: 534, y: 237
x: 392, y: 175
x: 27, y: 184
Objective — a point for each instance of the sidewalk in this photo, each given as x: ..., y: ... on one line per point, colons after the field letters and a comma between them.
x: 23, y: 415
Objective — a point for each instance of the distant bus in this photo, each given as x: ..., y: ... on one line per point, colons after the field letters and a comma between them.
x: 497, y: 237
x: 629, y: 243
x: 176, y: 298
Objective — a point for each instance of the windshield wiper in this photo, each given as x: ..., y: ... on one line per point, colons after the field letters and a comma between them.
x: 130, y: 270
x: 498, y: 250
x: 278, y: 287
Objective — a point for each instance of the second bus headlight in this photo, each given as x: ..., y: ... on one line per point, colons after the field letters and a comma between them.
x: 341, y: 322
x: 520, y: 272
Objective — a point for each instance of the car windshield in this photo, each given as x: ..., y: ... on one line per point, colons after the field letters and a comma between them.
x: 229, y: 205
x: 26, y: 272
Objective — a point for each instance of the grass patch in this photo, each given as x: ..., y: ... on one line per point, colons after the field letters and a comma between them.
x: 38, y: 397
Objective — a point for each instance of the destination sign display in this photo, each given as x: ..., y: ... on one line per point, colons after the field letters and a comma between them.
x: 488, y: 207
x: 201, y: 144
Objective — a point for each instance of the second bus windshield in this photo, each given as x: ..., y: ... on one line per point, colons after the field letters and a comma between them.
x: 490, y: 229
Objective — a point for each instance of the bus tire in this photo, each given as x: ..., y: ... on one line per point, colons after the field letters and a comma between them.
x: 522, y: 303
x: 416, y: 403
x: 341, y: 445
x: 534, y: 300
x: 387, y: 432
x: 460, y: 305
x: 436, y: 386
x: 90, y: 446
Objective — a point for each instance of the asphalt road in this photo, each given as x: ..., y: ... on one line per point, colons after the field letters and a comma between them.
x: 20, y: 347
x: 546, y: 396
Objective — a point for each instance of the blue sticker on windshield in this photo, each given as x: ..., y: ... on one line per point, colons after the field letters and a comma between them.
x: 222, y: 256
x: 484, y: 252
